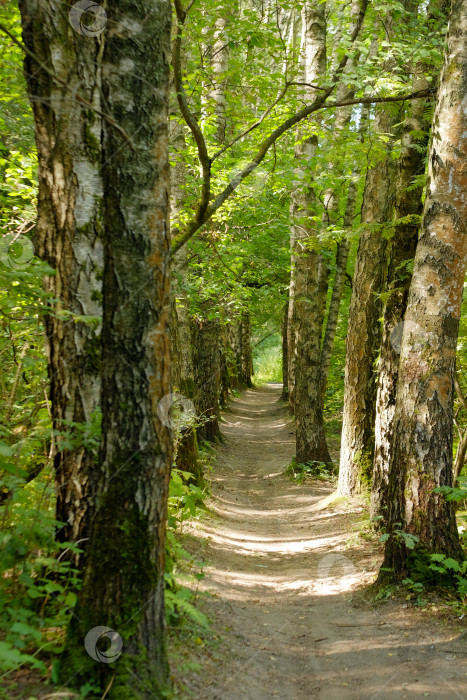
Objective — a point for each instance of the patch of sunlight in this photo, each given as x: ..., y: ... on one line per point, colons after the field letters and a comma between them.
x: 254, y: 545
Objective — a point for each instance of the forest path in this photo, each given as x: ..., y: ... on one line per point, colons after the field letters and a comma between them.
x: 285, y: 570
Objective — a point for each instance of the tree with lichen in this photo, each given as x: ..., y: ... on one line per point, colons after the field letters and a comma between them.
x: 123, y: 582
x: 63, y: 74
x: 421, y: 456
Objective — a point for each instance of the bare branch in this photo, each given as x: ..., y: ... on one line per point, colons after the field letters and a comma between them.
x: 370, y: 100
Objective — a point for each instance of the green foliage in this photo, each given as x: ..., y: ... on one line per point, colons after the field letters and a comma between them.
x: 185, y: 502
x: 399, y: 535
x: 267, y: 360
x: 417, y: 588
x: 315, y: 470
x: 449, y: 568
x: 37, y: 582
x: 454, y: 493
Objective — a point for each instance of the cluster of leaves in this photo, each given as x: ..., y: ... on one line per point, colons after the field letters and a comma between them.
x: 37, y: 582
x: 436, y: 569
x: 314, y: 470
x: 185, y: 502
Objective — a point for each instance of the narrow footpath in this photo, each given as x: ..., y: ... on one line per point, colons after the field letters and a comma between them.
x: 286, y: 567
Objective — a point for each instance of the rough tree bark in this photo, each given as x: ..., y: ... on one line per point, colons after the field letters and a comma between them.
x: 246, y: 351
x: 187, y: 455
x: 208, y: 357
x: 285, y: 353
x: 123, y: 584
x: 64, y: 83
x: 186, y: 458
x: 422, y: 451
x: 310, y: 268
x: 364, y: 332
x: 207, y: 373
x: 408, y: 203
x: 332, y: 199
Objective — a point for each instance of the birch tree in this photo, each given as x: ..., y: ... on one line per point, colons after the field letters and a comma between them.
x: 364, y: 332
x: 421, y: 458
x: 123, y: 583
x: 63, y: 73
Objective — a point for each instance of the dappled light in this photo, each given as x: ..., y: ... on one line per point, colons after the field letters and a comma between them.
x: 286, y: 571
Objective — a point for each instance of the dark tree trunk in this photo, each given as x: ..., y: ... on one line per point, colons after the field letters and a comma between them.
x: 285, y: 354
x: 123, y: 585
x: 186, y: 454
x: 421, y: 458
x: 225, y: 384
x: 246, y: 352
x: 206, y: 362
x: 68, y: 237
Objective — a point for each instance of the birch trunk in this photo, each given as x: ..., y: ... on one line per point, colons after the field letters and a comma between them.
x: 68, y: 237
x: 364, y: 332
x: 408, y: 204
x: 208, y: 356
x: 310, y: 269
x: 123, y: 584
x: 207, y: 372
x: 421, y: 458
x: 187, y: 458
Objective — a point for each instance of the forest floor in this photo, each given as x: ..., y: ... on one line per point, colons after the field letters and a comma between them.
x: 287, y: 570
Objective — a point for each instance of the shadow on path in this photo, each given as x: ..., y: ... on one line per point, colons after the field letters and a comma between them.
x: 285, y: 569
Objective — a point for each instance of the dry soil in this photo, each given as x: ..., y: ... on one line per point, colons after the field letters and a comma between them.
x: 287, y: 569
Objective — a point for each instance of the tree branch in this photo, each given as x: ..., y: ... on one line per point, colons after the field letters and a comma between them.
x: 194, y: 225
x: 255, y: 125
x: 205, y: 210
x: 205, y: 161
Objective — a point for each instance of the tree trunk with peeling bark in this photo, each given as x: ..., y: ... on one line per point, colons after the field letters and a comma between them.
x: 123, y: 584
x: 364, y: 331
x: 187, y: 456
x: 68, y: 236
x: 408, y: 205
x: 311, y: 273
x: 421, y: 458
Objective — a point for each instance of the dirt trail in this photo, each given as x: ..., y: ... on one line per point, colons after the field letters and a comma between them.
x: 286, y: 569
